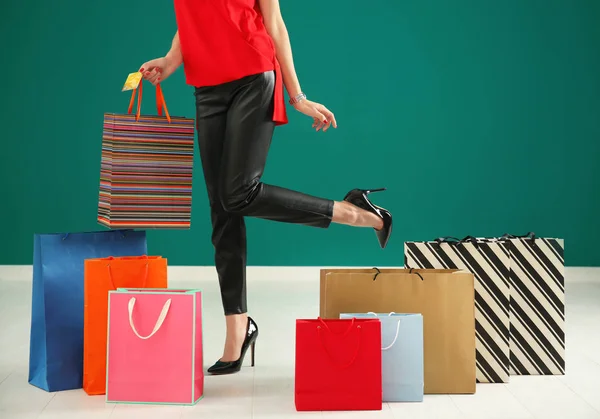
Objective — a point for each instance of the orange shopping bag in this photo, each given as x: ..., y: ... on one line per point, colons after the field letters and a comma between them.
x: 102, y: 276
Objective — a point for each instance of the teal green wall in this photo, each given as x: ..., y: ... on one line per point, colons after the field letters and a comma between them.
x: 479, y: 117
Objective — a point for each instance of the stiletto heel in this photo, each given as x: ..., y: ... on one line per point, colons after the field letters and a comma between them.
x: 222, y: 368
x: 368, y: 191
x: 359, y: 198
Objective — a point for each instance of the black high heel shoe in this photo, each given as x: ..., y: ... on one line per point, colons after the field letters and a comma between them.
x: 360, y: 198
x: 230, y: 367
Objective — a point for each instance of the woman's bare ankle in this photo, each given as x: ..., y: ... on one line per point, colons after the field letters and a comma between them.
x: 235, y: 333
x: 349, y: 214
x: 344, y: 213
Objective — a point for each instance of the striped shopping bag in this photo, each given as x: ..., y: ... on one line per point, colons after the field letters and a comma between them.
x: 488, y: 261
x: 106, y: 169
x: 519, y: 299
x: 537, y: 304
x: 146, y: 169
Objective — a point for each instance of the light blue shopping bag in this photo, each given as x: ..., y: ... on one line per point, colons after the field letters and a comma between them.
x: 402, y: 355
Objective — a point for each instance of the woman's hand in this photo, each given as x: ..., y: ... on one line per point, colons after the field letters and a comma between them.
x: 158, y: 70
x: 323, y: 118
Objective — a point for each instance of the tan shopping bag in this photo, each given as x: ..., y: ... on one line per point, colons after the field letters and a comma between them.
x: 444, y: 297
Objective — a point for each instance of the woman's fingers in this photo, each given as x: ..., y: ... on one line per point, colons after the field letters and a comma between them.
x: 330, y: 118
x: 157, y: 63
x: 154, y: 77
x: 151, y: 73
x: 321, y: 119
x: 325, y: 117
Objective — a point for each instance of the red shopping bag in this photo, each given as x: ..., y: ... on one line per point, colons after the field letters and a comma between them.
x: 338, y: 364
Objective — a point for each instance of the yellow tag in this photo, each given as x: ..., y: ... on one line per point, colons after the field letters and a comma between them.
x: 132, y: 82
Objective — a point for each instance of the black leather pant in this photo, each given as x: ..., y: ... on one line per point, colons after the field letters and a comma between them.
x: 235, y: 127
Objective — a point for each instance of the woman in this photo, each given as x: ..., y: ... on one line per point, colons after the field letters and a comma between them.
x: 238, y: 56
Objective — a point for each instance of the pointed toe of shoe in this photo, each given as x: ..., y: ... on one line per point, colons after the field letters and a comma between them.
x: 214, y: 367
x: 383, y: 236
x: 221, y: 368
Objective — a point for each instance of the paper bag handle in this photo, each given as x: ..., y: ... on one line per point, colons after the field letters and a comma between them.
x: 320, y: 331
x: 121, y: 232
x: 397, y: 331
x: 110, y: 276
x: 455, y: 241
x: 410, y: 272
x: 530, y: 235
x: 159, y: 321
x: 160, y: 102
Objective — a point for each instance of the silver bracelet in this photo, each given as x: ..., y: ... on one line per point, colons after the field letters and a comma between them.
x: 298, y: 98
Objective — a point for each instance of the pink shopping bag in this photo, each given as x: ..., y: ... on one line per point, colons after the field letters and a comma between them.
x: 155, y: 346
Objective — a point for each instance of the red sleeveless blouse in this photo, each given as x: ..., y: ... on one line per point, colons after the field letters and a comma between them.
x: 225, y: 40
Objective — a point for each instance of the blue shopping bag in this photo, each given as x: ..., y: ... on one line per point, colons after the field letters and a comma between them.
x: 56, y: 340
x: 402, y: 355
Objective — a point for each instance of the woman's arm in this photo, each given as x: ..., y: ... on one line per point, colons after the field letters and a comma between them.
x: 276, y: 27
x: 174, y: 55
x: 159, y: 69
x: 278, y: 31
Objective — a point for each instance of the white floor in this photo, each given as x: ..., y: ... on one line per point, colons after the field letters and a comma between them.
x: 277, y: 296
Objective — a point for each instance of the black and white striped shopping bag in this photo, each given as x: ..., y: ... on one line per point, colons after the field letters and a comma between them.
x: 489, y: 263
x: 533, y: 269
